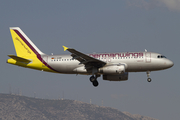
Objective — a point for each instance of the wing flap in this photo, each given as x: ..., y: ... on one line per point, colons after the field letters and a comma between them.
x: 20, y: 59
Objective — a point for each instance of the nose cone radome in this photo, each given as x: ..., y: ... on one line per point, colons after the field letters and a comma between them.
x: 169, y: 63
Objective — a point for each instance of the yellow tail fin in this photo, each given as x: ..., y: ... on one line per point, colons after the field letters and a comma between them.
x: 23, y: 45
x: 28, y: 55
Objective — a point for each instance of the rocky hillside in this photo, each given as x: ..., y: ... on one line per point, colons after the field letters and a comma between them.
x: 14, y: 107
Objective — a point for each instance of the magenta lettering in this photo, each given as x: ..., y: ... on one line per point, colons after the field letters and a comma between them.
x: 122, y: 55
x: 111, y: 55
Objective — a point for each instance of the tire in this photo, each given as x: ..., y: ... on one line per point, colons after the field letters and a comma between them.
x: 149, y: 80
x: 95, y: 83
x: 92, y: 78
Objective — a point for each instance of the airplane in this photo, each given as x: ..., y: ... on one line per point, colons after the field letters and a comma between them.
x: 112, y: 66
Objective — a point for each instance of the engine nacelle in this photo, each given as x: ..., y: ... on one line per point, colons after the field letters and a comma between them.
x: 120, y: 77
x: 115, y: 69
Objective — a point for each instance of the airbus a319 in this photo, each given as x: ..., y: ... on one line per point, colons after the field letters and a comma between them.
x: 111, y: 66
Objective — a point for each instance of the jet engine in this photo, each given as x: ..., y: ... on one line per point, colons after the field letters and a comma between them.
x: 120, y: 77
x: 114, y: 69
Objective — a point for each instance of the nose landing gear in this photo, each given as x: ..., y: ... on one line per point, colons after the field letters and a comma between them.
x: 149, y: 79
x: 148, y: 74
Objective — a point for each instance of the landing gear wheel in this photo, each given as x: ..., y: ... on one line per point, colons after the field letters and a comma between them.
x: 149, y: 80
x: 95, y: 83
x: 92, y: 78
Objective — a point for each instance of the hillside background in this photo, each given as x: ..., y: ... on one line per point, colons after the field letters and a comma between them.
x: 15, y: 107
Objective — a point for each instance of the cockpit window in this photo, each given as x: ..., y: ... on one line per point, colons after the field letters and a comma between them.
x: 161, y: 56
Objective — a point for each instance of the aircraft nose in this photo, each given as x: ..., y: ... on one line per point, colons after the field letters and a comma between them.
x: 169, y: 63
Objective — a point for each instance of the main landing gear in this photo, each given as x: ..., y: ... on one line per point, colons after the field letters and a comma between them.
x: 94, y: 81
x: 148, y: 74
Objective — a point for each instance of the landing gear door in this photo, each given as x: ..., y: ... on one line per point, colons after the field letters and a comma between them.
x: 148, y: 57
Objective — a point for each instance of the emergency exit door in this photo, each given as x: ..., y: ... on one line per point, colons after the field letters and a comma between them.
x: 148, y: 57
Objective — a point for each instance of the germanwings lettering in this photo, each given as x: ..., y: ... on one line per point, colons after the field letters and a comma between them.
x: 23, y: 45
x: 140, y: 54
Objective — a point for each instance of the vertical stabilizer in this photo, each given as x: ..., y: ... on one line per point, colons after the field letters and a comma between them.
x: 23, y: 45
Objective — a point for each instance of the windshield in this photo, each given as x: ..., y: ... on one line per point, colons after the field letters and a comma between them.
x: 161, y: 56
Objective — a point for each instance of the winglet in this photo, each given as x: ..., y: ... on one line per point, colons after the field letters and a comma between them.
x: 65, y: 48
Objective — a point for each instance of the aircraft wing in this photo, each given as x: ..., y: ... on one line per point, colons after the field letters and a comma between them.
x: 85, y: 59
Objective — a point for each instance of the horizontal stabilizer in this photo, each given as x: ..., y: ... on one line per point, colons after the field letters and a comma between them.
x: 20, y: 59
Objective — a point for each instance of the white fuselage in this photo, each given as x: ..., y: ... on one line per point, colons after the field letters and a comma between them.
x: 133, y: 61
